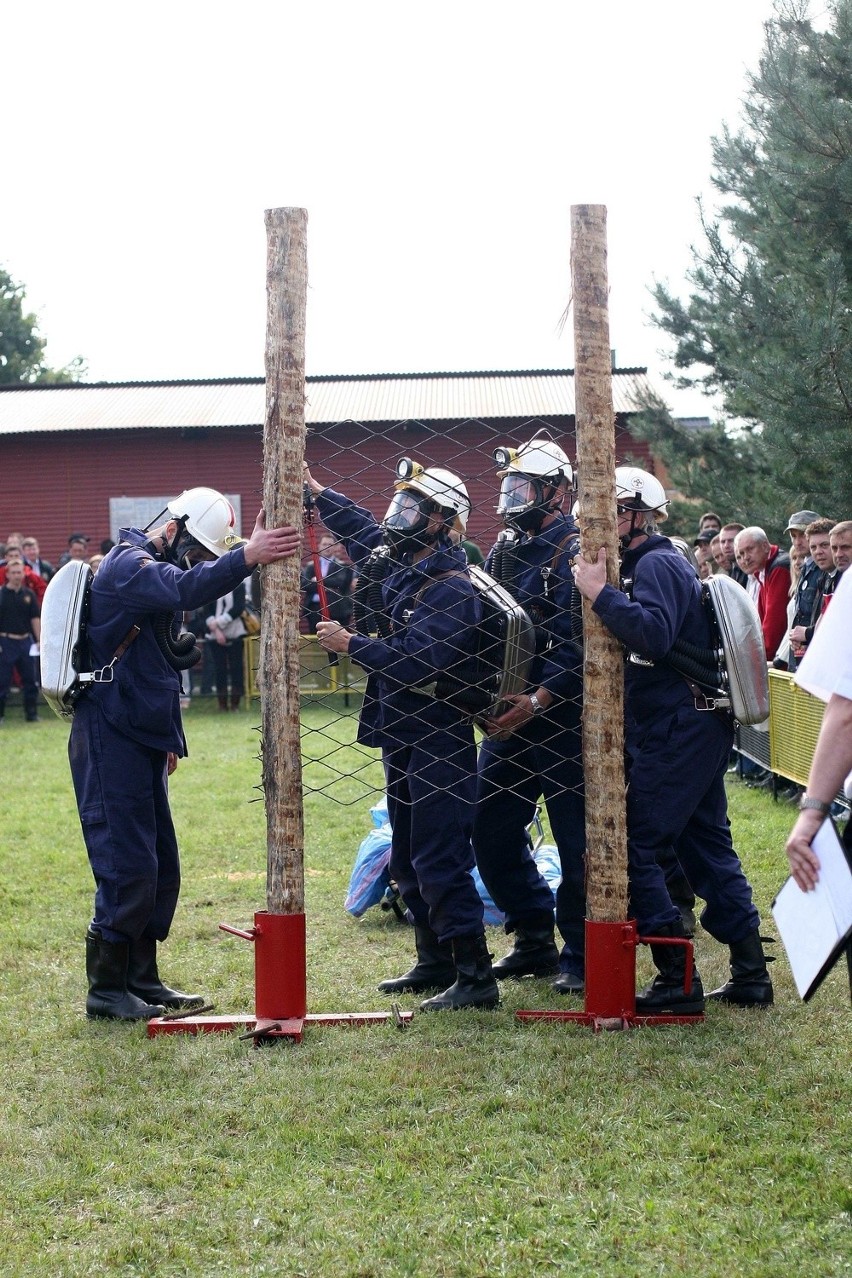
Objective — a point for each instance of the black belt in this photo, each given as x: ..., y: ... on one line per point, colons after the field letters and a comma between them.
x: 3, y: 635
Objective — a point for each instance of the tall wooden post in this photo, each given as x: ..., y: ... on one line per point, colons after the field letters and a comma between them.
x: 278, y: 935
x: 603, y: 668
x: 283, y: 453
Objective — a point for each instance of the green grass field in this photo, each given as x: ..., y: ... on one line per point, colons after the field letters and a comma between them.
x: 467, y: 1146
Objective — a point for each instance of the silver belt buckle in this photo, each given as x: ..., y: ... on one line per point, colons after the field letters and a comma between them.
x: 636, y: 660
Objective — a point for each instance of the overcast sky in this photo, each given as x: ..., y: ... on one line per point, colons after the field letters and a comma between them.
x: 438, y: 148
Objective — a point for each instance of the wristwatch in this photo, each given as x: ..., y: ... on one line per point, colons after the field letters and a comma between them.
x: 806, y: 804
x: 536, y: 705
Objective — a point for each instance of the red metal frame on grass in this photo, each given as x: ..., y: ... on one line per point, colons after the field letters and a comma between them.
x: 280, y: 985
x: 610, y: 997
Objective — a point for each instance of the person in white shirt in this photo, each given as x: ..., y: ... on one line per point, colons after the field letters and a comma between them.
x: 826, y: 672
x: 225, y: 634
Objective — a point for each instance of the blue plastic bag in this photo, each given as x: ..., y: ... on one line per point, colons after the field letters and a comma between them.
x: 370, y: 882
x: 370, y: 879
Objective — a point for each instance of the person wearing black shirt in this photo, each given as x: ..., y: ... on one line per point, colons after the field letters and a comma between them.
x: 19, y: 626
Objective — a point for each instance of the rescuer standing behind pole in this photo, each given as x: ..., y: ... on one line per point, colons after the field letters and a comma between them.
x: 677, y: 756
x: 534, y: 747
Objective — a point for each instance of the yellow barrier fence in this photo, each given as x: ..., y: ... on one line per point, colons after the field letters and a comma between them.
x: 317, y: 677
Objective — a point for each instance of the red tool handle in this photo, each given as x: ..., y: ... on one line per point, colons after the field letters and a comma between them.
x: 315, y: 556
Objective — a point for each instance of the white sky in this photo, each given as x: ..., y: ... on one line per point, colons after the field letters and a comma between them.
x: 438, y: 148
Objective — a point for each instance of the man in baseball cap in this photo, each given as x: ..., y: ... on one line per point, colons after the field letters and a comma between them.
x: 703, y: 554
x: 810, y: 576
x: 798, y: 522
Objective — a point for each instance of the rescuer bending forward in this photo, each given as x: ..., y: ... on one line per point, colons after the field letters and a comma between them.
x: 126, y: 735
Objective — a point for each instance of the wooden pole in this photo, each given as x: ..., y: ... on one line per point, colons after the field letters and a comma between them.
x: 283, y: 453
x: 603, y: 666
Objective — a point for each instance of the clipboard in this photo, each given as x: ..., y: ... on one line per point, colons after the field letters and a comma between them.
x: 816, y: 927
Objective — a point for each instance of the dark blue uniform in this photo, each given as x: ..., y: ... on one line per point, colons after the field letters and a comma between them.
x: 544, y: 758
x: 18, y: 609
x: 427, y: 746
x: 677, y: 755
x: 123, y: 731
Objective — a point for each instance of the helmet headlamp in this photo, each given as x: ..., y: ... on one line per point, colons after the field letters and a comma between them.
x: 408, y: 469
x: 505, y: 456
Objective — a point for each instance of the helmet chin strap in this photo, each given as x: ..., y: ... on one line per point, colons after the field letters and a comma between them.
x: 169, y: 550
x: 625, y: 540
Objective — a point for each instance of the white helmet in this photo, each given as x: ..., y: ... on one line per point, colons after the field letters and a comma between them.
x: 539, y: 457
x: 208, y: 517
x: 442, y: 486
x: 531, y: 477
x: 408, y: 527
x: 639, y: 490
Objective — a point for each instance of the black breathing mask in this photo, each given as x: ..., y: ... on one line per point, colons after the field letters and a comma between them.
x: 525, y: 501
x: 405, y: 527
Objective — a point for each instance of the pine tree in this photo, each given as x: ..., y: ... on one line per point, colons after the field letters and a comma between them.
x: 767, y: 321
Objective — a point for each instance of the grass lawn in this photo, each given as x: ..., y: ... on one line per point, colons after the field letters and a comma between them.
x: 469, y: 1145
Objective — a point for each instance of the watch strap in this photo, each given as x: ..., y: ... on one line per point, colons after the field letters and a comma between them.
x: 807, y: 804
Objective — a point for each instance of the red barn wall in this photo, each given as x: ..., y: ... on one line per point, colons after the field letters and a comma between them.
x: 55, y: 484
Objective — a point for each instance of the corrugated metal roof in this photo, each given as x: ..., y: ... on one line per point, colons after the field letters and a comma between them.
x: 389, y: 397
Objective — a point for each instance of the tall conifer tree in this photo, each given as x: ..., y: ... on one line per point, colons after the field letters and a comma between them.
x: 767, y: 324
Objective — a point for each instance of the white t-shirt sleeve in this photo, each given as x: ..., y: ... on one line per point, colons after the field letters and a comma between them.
x: 827, y: 665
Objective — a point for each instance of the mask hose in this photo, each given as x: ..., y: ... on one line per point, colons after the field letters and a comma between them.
x: 181, y: 652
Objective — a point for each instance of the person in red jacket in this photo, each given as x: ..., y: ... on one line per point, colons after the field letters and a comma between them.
x: 32, y: 580
x: 769, y: 570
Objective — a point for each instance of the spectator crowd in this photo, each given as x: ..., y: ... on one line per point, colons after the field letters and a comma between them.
x: 413, y: 571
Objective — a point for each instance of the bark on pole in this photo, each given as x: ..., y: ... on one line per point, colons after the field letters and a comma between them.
x: 283, y: 453
x: 603, y: 666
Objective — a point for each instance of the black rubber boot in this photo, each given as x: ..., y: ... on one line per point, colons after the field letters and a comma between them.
x: 475, y: 985
x: 109, y: 997
x: 143, y: 979
x: 568, y: 983
x: 434, y: 969
x: 533, y: 953
x: 665, y: 994
x: 750, y: 984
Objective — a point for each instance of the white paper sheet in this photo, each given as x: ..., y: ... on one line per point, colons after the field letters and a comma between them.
x: 814, y: 925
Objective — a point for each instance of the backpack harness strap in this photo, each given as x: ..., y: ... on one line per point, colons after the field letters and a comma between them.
x: 105, y: 674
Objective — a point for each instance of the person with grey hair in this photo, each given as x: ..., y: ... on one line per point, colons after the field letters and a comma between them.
x: 768, y: 568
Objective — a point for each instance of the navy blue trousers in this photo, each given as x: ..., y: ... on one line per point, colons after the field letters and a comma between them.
x: 15, y: 655
x: 676, y: 798
x: 544, y: 760
x: 228, y: 664
x: 123, y: 801
x: 431, y: 788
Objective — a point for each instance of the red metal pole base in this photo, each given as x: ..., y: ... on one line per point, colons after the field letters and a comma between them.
x: 287, y: 1029
x: 610, y: 1001
x: 280, y: 980
x: 280, y: 988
